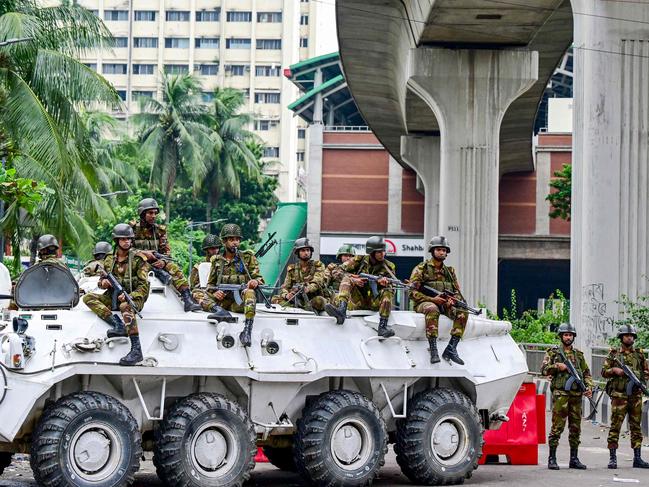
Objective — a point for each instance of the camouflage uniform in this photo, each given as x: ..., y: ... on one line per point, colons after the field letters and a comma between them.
x: 621, y: 404
x: 92, y: 268
x: 333, y: 277
x: 223, y: 271
x: 565, y: 404
x: 313, y: 277
x: 442, y: 278
x: 133, y: 275
x: 198, y: 293
x: 361, y: 297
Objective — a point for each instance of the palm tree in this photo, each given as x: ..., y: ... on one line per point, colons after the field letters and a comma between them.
x: 42, y: 86
x: 176, y: 131
x: 235, y: 154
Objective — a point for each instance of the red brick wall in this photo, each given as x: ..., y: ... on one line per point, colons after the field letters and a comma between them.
x: 412, y: 204
x: 517, y: 204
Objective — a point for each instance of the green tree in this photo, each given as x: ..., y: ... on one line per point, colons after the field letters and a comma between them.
x: 636, y: 313
x: 560, y: 193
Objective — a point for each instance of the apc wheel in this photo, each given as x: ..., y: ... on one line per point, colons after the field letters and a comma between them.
x: 282, y: 458
x: 86, y: 439
x: 440, y: 441
x: 341, y: 439
x: 5, y: 460
x: 205, y: 440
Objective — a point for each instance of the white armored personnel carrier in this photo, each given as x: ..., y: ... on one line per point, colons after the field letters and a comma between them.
x: 320, y: 398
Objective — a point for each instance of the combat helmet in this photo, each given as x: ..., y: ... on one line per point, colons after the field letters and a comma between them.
x: 302, y: 243
x: 123, y: 230
x: 439, y: 241
x: 375, y: 244
x: 230, y: 230
x: 211, y: 241
x: 102, y: 248
x: 345, y: 249
x: 566, y: 328
x: 147, y: 204
x: 627, y: 330
x: 46, y: 241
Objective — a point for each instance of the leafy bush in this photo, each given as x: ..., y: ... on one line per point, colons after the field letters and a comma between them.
x: 634, y: 313
x: 530, y: 327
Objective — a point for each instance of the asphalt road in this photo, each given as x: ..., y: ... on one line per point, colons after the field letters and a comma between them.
x: 593, y: 453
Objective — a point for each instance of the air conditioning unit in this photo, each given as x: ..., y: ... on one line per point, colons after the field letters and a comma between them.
x: 247, y: 68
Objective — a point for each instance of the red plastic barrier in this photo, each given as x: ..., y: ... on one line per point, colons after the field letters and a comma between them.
x: 519, y: 438
x: 260, y: 457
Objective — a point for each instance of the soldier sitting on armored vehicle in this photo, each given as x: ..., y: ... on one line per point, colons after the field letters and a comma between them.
x: 345, y: 253
x: 356, y: 292
x: 238, y: 268
x: 131, y: 271
x: 93, y: 268
x: 305, y: 281
x: 435, y: 274
x: 211, y: 246
x: 48, y: 248
x: 151, y: 240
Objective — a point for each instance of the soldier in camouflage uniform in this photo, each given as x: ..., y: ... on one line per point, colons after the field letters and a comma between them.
x: 93, y: 268
x: 566, y: 404
x: 621, y: 403
x: 151, y: 237
x: 235, y: 267
x: 211, y: 246
x: 345, y: 253
x: 48, y: 249
x: 435, y: 274
x: 355, y: 292
x: 307, y: 272
x: 131, y: 269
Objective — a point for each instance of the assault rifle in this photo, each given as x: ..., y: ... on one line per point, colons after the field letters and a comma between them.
x: 427, y: 290
x: 576, y: 378
x: 267, y: 245
x: 634, y: 382
x: 235, y: 289
x: 300, y: 296
x: 118, y: 289
x: 163, y: 275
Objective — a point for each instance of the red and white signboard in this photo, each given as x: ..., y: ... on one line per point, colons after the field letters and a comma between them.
x: 397, y: 246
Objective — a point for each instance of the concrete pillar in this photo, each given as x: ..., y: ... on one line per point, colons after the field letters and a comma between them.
x: 469, y: 92
x: 314, y: 171
x: 422, y: 154
x: 610, y: 218
x: 395, y: 190
x: 543, y: 178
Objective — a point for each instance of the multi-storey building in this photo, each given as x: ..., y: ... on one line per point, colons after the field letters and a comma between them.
x: 228, y: 43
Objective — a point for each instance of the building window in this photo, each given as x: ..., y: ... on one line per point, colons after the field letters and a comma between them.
x: 269, y: 43
x: 301, y: 133
x: 145, y: 15
x: 236, y: 69
x: 239, y: 16
x: 272, y: 97
x: 145, y: 42
x: 304, y: 19
x: 267, y: 71
x: 300, y: 156
x: 121, y: 42
x: 266, y: 124
x: 271, y: 152
x: 207, y: 96
x: 177, y: 15
x: 92, y: 66
x: 304, y: 42
x: 208, y: 69
x: 142, y: 94
x: 237, y: 43
x: 208, y: 15
x: 177, y: 42
x: 176, y: 69
x: 121, y: 94
x: 94, y: 12
x: 304, y: 1
x: 206, y: 42
x: 269, y: 17
x: 116, y: 15
x: 144, y: 68
x: 114, y: 68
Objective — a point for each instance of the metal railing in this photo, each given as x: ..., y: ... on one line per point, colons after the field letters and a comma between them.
x: 346, y: 128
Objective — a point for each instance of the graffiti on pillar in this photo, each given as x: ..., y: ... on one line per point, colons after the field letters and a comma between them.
x: 597, y: 323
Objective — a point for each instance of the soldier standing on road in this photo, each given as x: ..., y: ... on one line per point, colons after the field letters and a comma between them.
x: 345, y: 253
x: 355, y: 292
x: 93, y: 268
x: 621, y: 403
x: 151, y: 237
x: 131, y: 270
x: 566, y: 404
x: 307, y: 272
x: 435, y: 274
x: 235, y: 267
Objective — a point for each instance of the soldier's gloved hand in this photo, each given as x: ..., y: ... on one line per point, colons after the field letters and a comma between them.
x: 358, y: 281
x: 149, y: 254
x: 290, y: 296
x: 383, y: 281
x: 121, y: 298
x: 104, y: 283
x: 588, y: 393
x: 561, y: 366
x: 439, y: 301
x: 219, y: 295
x: 617, y: 371
x: 253, y: 283
x: 159, y: 264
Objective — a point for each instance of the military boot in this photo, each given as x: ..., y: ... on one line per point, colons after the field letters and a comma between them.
x: 219, y: 314
x: 190, y: 304
x: 552, y: 459
x: 450, y: 352
x: 244, y: 336
x: 612, y: 462
x: 117, y: 328
x: 434, y: 355
x: 135, y: 355
x: 638, y: 462
x: 384, y: 330
x: 574, y: 460
x: 340, y: 312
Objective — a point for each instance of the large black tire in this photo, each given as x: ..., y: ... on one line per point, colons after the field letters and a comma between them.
x: 341, y: 440
x: 5, y: 460
x: 205, y: 440
x: 86, y: 439
x: 438, y: 416
x: 282, y: 458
